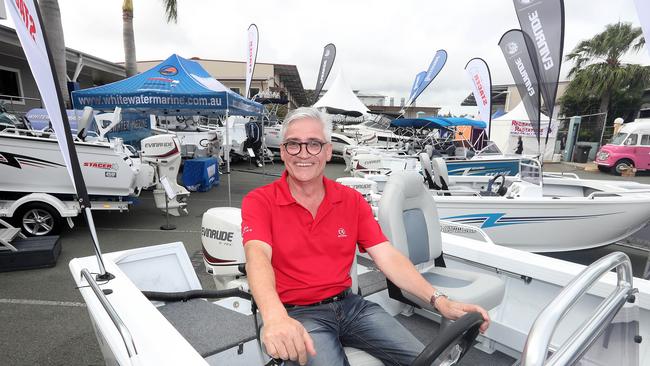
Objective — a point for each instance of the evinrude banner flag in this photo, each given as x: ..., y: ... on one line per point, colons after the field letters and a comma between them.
x: 543, y: 23
x: 326, y: 62
x: 522, y: 68
x: 479, y: 74
x: 416, y: 83
x: 434, y: 69
x: 26, y: 17
x: 251, y: 58
x: 643, y: 10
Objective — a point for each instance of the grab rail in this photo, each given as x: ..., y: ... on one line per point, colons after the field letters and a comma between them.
x: 124, y: 331
x: 539, y: 338
x: 592, y: 195
x: 561, y: 175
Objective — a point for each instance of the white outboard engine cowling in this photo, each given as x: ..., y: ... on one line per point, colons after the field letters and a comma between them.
x: 223, y: 250
x: 164, y: 154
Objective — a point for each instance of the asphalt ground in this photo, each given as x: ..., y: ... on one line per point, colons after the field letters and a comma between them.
x: 43, y: 320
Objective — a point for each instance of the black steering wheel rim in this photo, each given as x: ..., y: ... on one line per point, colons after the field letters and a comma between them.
x: 460, y: 333
x: 493, y: 180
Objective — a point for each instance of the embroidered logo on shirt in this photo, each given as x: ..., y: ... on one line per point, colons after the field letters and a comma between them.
x: 342, y: 233
x: 246, y: 229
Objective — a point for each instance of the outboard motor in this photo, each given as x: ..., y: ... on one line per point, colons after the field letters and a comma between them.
x: 365, y: 161
x: 223, y: 250
x: 164, y: 154
x: 368, y: 189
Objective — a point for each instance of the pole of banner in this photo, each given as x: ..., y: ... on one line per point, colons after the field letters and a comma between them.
x: 103, y: 274
x: 227, y: 155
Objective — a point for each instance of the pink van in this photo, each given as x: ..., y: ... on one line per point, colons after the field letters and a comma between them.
x: 630, y: 146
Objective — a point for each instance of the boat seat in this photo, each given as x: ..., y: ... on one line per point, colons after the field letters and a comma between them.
x: 197, y: 321
x: 437, y: 169
x: 409, y: 219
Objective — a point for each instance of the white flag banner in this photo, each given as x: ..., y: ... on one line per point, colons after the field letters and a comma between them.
x: 479, y: 75
x: 30, y: 34
x: 251, y: 57
x: 643, y: 11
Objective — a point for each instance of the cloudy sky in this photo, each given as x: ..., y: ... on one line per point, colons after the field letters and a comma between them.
x: 381, y: 45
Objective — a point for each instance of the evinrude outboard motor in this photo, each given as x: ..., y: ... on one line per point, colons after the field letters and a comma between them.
x: 223, y: 250
x: 369, y: 189
x: 164, y: 153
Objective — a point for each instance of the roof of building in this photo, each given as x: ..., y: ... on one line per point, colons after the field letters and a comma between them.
x: 290, y: 77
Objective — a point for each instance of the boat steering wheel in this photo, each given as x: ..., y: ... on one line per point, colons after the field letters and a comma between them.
x: 453, y: 343
x: 501, y: 191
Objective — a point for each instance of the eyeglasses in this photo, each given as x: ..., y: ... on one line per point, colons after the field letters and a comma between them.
x: 313, y: 147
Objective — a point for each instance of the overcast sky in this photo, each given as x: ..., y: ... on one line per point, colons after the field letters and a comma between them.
x: 381, y: 45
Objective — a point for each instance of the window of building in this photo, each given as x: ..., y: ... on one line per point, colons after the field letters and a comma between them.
x: 254, y: 92
x: 236, y: 90
x: 645, y: 140
x: 10, y: 85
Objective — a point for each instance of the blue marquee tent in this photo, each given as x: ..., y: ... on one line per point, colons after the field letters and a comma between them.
x: 437, y: 122
x: 176, y: 86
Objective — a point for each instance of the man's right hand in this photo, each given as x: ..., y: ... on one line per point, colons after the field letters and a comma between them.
x: 287, y: 339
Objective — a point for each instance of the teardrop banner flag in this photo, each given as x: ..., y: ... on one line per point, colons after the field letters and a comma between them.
x: 522, y: 68
x: 251, y: 58
x: 438, y: 62
x: 326, y: 62
x: 26, y: 17
x: 643, y: 11
x: 416, y: 83
x: 479, y: 75
x: 543, y: 22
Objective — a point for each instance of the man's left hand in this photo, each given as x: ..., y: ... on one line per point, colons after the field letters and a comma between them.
x: 453, y: 310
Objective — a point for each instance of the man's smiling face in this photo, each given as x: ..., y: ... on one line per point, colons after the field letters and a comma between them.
x: 305, y: 167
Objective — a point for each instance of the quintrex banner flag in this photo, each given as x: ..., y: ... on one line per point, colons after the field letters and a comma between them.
x: 479, y: 74
x: 436, y: 65
x: 513, y: 46
x: 326, y: 62
x: 543, y: 22
x: 416, y: 83
x: 251, y: 56
x: 26, y: 17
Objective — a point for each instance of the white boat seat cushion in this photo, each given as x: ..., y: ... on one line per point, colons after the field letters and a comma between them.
x: 408, y: 217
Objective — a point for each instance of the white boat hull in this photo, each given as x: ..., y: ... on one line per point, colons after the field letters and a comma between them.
x: 32, y: 164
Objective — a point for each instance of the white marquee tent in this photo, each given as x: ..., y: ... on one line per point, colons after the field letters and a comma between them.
x: 506, y: 129
x: 341, y: 97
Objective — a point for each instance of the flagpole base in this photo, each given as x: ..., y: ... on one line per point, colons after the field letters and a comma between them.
x: 168, y: 227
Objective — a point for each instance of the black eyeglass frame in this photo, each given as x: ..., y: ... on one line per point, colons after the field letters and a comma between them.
x: 306, y: 145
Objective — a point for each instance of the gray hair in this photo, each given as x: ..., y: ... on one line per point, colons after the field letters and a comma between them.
x: 308, y: 113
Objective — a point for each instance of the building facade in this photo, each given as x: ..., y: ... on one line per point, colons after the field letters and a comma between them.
x: 18, y: 90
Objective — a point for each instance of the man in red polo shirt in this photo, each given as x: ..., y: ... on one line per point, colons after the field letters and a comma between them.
x: 300, y: 235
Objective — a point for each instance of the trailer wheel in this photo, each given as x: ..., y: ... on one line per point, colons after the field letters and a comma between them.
x: 38, y: 219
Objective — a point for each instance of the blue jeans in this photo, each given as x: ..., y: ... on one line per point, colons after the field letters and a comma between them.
x: 355, y: 322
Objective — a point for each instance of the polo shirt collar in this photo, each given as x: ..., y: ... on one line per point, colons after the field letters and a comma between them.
x: 283, y: 193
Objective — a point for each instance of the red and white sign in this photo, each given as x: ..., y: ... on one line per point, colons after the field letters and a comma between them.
x: 525, y: 128
x: 251, y: 56
x: 479, y: 75
x: 30, y: 34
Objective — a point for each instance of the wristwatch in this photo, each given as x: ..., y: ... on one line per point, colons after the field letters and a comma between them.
x: 436, y: 295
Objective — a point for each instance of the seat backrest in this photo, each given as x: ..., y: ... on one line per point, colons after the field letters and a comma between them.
x: 427, y: 171
x: 441, y: 176
x: 354, y: 276
x: 409, y: 219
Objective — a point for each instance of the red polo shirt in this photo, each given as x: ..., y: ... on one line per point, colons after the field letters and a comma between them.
x: 311, y: 256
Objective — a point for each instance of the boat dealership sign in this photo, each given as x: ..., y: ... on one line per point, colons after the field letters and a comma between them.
x: 525, y: 128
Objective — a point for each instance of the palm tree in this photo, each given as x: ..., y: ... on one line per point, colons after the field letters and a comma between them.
x: 52, y: 24
x: 127, y: 31
x: 598, y: 71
